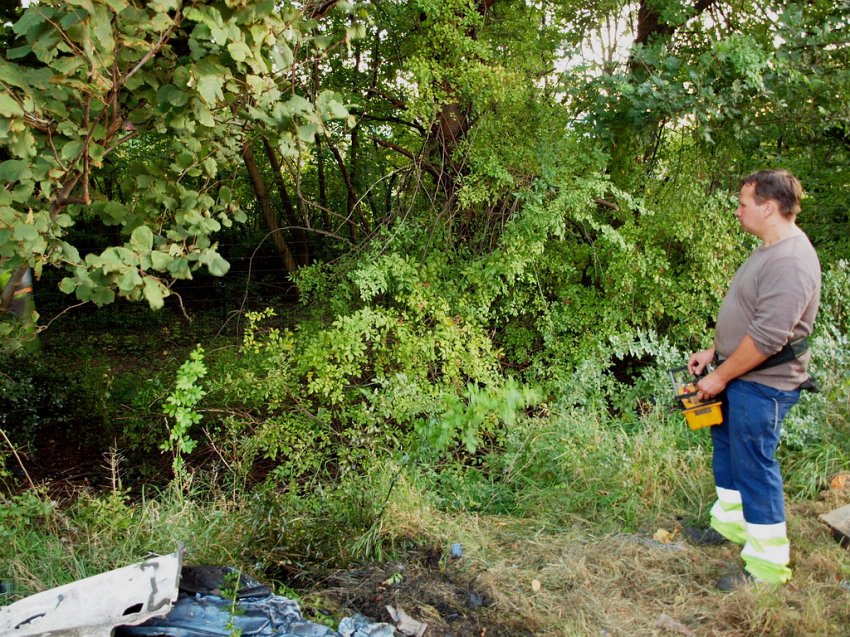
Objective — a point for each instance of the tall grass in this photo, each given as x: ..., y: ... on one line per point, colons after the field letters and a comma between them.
x: 576, y: 466
x: 48, y: 543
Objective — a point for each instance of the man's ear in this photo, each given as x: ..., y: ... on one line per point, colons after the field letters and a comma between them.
x: 770, y: 208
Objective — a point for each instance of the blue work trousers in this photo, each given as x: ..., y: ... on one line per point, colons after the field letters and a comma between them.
x: 745, y: 448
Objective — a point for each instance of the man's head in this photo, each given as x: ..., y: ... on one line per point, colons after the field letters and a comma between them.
x: 778, y: 186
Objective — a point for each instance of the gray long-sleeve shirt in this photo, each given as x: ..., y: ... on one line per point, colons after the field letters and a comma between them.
x: 773, y: 298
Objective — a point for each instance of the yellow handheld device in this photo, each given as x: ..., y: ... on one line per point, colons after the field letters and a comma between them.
x: 698, y: 414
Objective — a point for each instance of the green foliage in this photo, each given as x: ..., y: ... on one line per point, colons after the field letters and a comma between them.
x: 478, y: 414
x: 344, y: 391
x: 180, y: 405
x: 575, y: 466
x: 89, y: 84
x: 834, y: 313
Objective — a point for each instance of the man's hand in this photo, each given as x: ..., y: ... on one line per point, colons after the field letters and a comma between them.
x: 710, y: 386
x: 698, y: 362
x: 713, y: 383
x: 743, y: 359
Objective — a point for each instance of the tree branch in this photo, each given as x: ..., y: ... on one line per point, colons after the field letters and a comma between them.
x: 318, y: 8
x: 429, y: 168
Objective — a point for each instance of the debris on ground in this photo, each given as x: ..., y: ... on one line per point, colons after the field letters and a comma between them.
x: 160, y: 597
x: 405, y: 624
x: 839, y: 522
x: 668, y: 623
x: 840, y: 480
x: 96, y: 605
x: 452, y: 598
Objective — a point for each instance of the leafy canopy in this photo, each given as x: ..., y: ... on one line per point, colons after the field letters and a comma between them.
x: 89, y: 79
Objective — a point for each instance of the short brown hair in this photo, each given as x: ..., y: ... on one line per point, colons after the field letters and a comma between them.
x: 780, y: 186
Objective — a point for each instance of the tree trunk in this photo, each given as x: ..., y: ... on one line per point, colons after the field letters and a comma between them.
x: 352, y: 206
x: 267, y: 209
x: 637, y: 142
x: 320, y: 158
x: 8, y: 292
x: 300, y: 237
x: 450, y: 128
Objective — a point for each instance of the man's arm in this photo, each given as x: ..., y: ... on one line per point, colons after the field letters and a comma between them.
x: 745, y: 357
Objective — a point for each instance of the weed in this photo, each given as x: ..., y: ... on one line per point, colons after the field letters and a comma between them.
x: 180, y: 405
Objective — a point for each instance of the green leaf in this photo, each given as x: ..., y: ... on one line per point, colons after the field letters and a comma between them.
x: 112, y: 212
x: 184, y: 160
x: 154, y: 293
x: 179, y: 269
x: 297, y: 104
x: 164, y: 6
x: 30, y: 21
x: 18, y: 52
x: 217, y: 265
x: 14, y: 170
x: 282, y: 56
x: 239, y: 51
x: 9, y: 107
x: 67, y: 285
x: 71, y: 150
x: 26, y: 232
x: 337, y: 110
x: 160, y: 260
x: 128, y: 280
x: 203, y: 114
x: 101, y: 296
x: 307, y: 132
x: 210, y: 166
x: 70, y: 252
x: 142, y: 239
x: 85, y: 4
x: 170, y: 94
x: 12, y: 74
x: 102, y: 31
x: 64, y: 220
x: 322, y: 42
x: 117, y: 5
x: 210, y: 79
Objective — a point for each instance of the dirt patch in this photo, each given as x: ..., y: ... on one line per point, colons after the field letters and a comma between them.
x: 439, y: 593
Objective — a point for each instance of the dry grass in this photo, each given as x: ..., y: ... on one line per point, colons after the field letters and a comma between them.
x: 565, y: 582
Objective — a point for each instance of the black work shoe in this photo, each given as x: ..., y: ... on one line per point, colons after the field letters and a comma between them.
x: 735, y: 581
x: 703, y: 537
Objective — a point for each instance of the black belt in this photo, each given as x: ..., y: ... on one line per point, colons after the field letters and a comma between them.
x: 789, y: 352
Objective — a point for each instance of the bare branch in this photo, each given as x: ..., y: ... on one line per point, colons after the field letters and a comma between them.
x: 429, y: 168
x: 599, y: 201
x: 18, y: 458
x: 162, y: 40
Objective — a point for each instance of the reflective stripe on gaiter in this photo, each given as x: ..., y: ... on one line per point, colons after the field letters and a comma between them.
x: 727, y: 515
x: 767, y: 552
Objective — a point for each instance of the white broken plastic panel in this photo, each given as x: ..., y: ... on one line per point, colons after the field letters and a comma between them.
x: 94, y: 606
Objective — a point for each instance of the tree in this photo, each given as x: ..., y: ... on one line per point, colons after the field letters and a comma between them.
x: 90, y: 79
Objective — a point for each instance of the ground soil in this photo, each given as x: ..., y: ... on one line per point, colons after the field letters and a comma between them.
x: 437, y: 593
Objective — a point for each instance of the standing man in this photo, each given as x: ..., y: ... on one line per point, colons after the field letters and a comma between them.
x: 760, y: 350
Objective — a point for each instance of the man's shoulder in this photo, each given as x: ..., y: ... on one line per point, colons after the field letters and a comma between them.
x: 797, y: 247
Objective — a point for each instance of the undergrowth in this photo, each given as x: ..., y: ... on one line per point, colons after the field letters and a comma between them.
x: 398, y: 426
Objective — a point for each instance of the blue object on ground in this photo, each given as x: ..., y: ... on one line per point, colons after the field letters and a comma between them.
x: 456, y: 551
x: 251, y: 612
x: 213, y: 616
